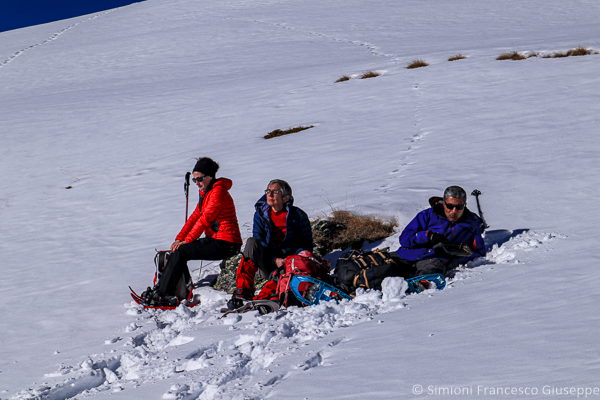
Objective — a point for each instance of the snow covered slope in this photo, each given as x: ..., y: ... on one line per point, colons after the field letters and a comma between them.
x: 116, y: 105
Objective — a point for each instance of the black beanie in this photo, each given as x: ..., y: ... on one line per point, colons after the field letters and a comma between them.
x: 206, y: 166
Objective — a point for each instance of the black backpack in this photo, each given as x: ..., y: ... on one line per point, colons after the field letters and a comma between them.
x: 368, y: 269
x: 185, y: 285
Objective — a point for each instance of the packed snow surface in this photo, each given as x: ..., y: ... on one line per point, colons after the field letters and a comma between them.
x: 102, y: 115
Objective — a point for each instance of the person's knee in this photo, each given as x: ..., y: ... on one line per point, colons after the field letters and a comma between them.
x: 251, y: 245
x: 182, y: 253
x: 431, y: 266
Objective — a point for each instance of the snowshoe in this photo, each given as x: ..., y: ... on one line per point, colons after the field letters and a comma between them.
x: 262, y: 306
x: 154, y: 301
x: 238, y: 298
x: 311, y: 291
x: 421, y: 283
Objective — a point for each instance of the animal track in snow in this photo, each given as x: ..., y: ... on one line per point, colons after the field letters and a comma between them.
x: 51, y: 38
x: 371, y: 48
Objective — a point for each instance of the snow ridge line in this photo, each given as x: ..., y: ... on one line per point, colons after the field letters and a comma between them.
x: 249, y: 354
x: 51, y: 38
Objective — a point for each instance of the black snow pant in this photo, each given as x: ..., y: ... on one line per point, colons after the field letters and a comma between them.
x: 434, y: 266
x: 262, y: 256
x: 176, y: 270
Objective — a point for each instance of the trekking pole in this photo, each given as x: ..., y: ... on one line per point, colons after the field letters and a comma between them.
x: 186, y: 190
x: 477, y: 193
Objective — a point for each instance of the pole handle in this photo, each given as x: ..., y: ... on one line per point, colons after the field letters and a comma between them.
x: 186, y: 190
x: 477, y: 193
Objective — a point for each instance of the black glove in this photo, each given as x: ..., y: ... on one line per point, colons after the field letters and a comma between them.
x: 435, y: 238
x: 452, y: 250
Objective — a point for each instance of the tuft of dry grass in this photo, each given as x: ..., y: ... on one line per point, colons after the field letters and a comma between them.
x: 556, y: 55
x: 579, y: 51
x: 417, y: 64
x: 343, y: 79
x: 369, y: 74
x: 512, y: 55
x: 279, y: 132
x: 457, y: 57
x: 345, y: 229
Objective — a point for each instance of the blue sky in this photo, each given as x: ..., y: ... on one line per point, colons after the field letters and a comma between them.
x: 16, y: 14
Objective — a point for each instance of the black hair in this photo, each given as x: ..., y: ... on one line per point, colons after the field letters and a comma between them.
x: 206, y: 166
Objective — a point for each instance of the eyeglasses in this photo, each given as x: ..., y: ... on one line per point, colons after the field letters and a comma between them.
x: 452, y: 206
x: 274, y: 192
x: 199, y: 179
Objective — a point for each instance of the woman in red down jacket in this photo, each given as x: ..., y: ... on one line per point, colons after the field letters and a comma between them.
x: 215, y: 217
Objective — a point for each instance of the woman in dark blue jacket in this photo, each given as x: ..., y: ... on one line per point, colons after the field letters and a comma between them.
x: 298, y: 235
x: 280, y: 230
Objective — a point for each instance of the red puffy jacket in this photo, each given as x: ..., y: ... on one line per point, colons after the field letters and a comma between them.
x: 217, y: 206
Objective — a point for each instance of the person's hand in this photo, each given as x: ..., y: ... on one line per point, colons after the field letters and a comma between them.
x: 435, y: 238
x: 176, y: 244
x: 280, y: 262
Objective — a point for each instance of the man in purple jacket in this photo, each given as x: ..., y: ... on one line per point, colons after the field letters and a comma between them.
x: 437, y: 240
x: 448, y: 221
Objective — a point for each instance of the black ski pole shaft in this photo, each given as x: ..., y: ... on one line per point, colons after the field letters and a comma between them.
x: 186, y: 189
x: 477, y: 193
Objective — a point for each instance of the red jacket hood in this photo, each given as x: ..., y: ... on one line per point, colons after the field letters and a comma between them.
x: 221, y: 182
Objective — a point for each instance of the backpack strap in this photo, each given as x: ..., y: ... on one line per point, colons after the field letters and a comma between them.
x: 160, y: 260
x: 372, y: 258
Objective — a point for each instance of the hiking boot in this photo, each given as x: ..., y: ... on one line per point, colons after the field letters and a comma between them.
x: 311, y: 292
x: 146, y: 294
x: 158, y: 300
x: 238, y: 298
x: 234, y: 303
x: 168, y: 301
x: 421, y: 285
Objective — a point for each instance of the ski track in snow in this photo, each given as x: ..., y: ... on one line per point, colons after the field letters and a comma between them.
x: 52, y: 38
x: 250, y: 361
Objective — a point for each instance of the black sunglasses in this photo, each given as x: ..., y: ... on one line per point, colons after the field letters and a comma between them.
x: 199, y: 179
x: 452, y: 206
